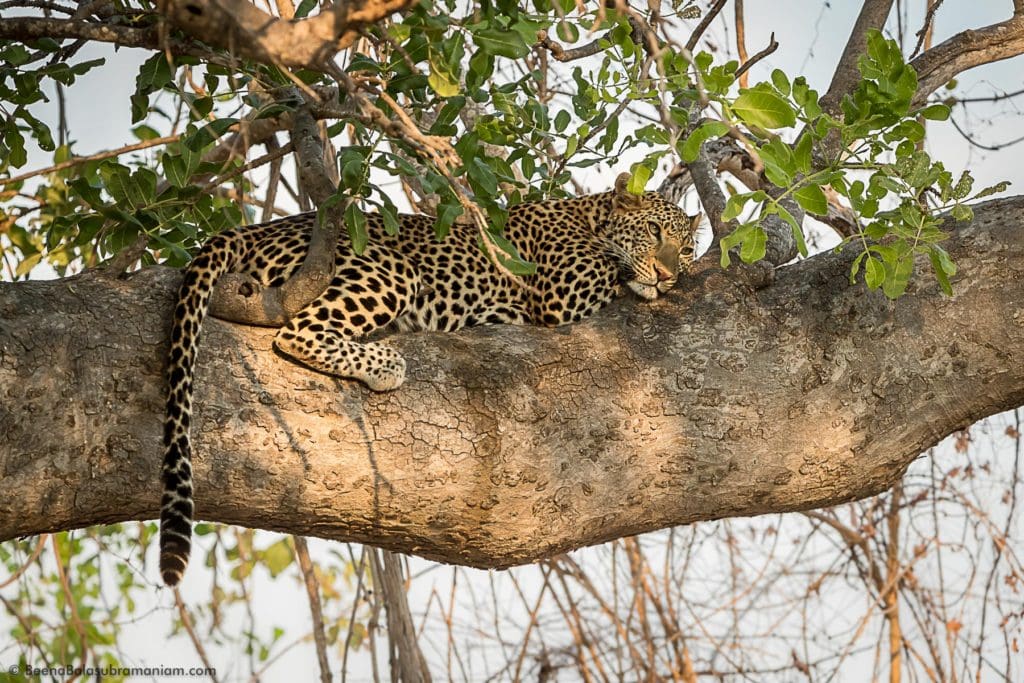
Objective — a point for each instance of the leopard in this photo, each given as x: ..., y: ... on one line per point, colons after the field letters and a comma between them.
x: 587, y: 251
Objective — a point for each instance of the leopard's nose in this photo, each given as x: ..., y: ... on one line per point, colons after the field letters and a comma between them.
x: 663, y: 272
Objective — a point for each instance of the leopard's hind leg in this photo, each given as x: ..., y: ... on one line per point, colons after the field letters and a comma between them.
x: 368, y: 292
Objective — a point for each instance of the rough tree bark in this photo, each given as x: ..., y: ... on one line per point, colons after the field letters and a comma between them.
x: 508, y: 444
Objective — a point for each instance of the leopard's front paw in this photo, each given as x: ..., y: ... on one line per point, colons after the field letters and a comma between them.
x: 385, y: 368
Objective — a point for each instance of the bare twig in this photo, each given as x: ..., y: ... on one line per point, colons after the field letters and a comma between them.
x: 704, y: 23
x: 75, y: 161
x: 313, y: 593
x: 741, y: 72
x: 186, y: 622
x: 741, y: 42
x: 28, y: 563
x: 406, y: 658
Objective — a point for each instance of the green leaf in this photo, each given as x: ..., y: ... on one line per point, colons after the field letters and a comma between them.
x: 764, y: 109
x: 874, y: 272
x: 638, y: 180
x: 734, y: 238
x: 802, y: 153
x: 779, y: 162
x: 509, y: 256
x: 940, y: 272
x: 780, y: 81
x: 753, y: 248
x: 935, y: 112
x: 447, y: 212
x: 389, y: 216
x: 483, y: 176
x: 567, y: 31
x: 995, y: 189
x: 443, y: 83
x: 116, y: 180
x: 154, y: 74
x: 897, y: 276
x: 734, y: 206
x: 355, y: 221
x: 501, y: 43
x: 145, y: 132
x: 174, y: 170
x: 798, y: 233
x: 707, y: 130
x: 962, y: 213
x: 562, y: 120
x: 277, y: 557
x: 812, y: 200
x: 15, y: 54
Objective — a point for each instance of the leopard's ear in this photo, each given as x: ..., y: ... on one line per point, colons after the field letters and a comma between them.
x: 624, y: 199
x: 695, y: 221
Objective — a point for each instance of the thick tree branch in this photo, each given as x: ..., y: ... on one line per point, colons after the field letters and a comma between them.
x: 508, y: 444
x: 241, y: 28
x: 966, y: 50
x: 34, y: 28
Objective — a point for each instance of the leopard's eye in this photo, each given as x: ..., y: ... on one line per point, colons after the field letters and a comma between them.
x: 654, y: 228
x: 686, y: 251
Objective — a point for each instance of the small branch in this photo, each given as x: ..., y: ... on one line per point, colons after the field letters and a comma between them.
x: 75, y: 161
x: 704, y: 23
x: 562, y: 55
x: 924, y: 35
x: 741, y: 43
x: 186, y: 621
x: 741, y: 72
x: 406, y: 658
x: 980, y: 145
x: 711, y: 196
x: 270, y: 156
x: 28, y: 563
x: 313, y: 593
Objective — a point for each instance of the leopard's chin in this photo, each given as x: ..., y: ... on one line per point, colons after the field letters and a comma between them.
x: 643, y: 291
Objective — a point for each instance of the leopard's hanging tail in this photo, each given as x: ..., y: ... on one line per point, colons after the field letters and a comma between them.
x: 216, y: 258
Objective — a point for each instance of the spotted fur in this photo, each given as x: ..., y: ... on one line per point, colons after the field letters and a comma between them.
x: 584, y: 248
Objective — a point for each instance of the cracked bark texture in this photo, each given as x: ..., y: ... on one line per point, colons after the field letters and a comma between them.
x: 509, y: 444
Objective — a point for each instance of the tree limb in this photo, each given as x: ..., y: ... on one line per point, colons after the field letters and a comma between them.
x: 846, y: 76
x: 966, y: 50
x: 509, y: 444
x: 243, y: 29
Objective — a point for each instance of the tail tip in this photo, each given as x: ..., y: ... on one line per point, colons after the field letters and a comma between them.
x: 171, y: 577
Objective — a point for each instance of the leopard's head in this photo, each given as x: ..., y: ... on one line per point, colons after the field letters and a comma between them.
x: 650, y: 238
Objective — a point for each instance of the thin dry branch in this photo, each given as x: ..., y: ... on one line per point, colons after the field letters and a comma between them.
x: 316, y: 611
x: 704, y: 23
x: 99, y: 156
x: 741, y: 73
x: 741, y: 42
